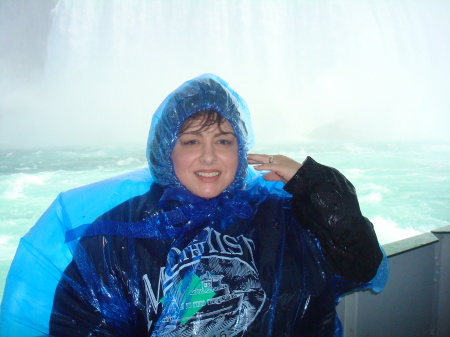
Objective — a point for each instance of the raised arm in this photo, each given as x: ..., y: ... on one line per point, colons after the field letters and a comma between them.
x: 326, y: 203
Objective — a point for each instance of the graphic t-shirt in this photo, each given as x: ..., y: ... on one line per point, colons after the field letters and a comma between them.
x: 210, y: 285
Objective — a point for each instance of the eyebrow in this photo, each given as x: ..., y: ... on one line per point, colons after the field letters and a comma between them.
x: 198, y: 133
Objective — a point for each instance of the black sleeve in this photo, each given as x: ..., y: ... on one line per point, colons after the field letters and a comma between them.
x: 76, y: 305
x: 73, y: 313
x: 326, y: 203
x: 99, y: 280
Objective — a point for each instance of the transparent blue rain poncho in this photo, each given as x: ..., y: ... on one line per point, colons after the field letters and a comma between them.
x: 139, y: 249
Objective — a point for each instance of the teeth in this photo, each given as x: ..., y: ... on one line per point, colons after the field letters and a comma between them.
x: 207, y: 174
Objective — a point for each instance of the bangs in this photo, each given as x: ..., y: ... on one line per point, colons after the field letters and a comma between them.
x: 205, y: 120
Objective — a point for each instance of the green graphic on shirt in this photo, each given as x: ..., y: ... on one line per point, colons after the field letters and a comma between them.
x: 194, y: 294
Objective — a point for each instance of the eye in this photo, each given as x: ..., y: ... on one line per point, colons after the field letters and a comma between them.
x: 187, y: 140
x: 190, y: 142
x: 225, y: 141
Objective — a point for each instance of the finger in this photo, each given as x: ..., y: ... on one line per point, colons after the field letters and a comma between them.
x: 256, y: 158
x: 259, y: 158
x: 272, y: 176
x: 263, y: 167
x: 253, y: 161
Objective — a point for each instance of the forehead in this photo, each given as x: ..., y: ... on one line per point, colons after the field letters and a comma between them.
x: 197, y: 125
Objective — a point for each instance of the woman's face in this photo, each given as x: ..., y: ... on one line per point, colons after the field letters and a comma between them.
x: 206, y: 161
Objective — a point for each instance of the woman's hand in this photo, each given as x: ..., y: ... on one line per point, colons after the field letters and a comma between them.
x: 281, y: 168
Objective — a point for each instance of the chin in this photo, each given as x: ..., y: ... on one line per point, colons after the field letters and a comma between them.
x: 208, y: 194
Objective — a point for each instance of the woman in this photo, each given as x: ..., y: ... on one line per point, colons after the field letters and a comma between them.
x: 213, y: 248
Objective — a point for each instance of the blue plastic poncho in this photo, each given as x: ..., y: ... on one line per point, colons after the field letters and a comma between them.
x: 139, y: 252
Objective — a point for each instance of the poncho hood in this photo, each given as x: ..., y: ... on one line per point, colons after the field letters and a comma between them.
x: 206, y: 92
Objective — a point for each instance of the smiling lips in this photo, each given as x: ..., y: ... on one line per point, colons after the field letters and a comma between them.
x: 207, y: 174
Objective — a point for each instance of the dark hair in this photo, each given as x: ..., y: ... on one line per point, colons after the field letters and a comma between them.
x: 208, y: 119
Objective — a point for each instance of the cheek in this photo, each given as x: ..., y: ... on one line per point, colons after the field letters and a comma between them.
x: 233, y: 161
x: 179, y: 160
x: 236, y: 162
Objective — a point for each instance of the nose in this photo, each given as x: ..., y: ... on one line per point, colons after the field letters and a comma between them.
x: 208, y: 155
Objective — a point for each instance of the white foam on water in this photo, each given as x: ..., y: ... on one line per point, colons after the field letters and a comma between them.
x: 129, y: 161
x: 371, y: 197
x: 378, y: 188
x: 373, y: 193
x: 354, y: 173
x: 440, y: 179
x: 353, y: 148
x: 18, y: 183
x: 8, y: 244
x: 389, y: 231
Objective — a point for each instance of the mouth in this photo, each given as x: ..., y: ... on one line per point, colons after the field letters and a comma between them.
x: 207, y: 174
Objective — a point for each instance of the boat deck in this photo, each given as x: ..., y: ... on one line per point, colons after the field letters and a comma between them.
x: 416, y: 299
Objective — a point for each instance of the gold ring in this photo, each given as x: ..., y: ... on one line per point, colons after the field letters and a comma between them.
x: 270, y: 159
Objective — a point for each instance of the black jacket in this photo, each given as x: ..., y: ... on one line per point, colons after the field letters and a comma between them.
x: 278, y: 272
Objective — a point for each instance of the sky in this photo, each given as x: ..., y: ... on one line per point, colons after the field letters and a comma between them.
x: 93, y: 73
